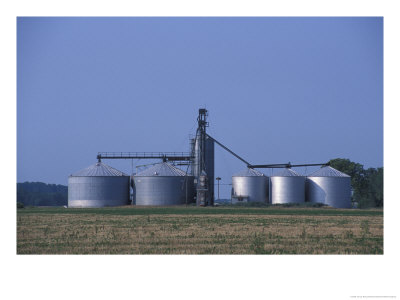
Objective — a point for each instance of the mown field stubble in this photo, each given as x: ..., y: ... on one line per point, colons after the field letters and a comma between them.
x: 190, y: 230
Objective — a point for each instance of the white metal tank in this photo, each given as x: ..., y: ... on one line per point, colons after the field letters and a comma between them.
x: 250, y: 185
x: 98, y: 185
x: 287, y: 187
x: 329, y: 186
x: 163, y: 184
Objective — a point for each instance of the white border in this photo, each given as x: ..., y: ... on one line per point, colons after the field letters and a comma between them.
x: 197, y: 277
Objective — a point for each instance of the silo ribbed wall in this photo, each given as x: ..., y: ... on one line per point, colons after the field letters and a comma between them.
x: 287, y: 189
x: 98, y: 191
x: 332, y: 191
x: 255, y: 188
x: 163, y: 190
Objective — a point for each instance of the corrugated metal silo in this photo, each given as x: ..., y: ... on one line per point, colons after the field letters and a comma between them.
x: 250, y: 185
x: 329, y: 186
x: 287, y: 187
x: 98, y: 185
x: 163, y: 184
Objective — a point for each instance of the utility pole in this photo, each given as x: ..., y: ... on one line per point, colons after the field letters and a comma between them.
x: 218, y: 179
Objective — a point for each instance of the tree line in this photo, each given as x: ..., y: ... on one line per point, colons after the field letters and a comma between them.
x: 367, y: 184
x: 42, y: 194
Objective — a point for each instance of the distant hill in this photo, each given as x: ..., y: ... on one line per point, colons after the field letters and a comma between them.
x: 42, y: 194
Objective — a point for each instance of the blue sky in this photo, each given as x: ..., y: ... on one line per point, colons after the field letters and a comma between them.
x: 303, y: 90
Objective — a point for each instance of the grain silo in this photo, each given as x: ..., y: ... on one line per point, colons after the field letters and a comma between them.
x: 98, y: 185
x: 329, y: 186
x: 250, y: 186
x: 163, y: 184
x: 287, y: 187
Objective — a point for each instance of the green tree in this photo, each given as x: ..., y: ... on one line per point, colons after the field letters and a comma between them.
x: 375, y: 185
x: 367, y: 184
x: 42, y: 194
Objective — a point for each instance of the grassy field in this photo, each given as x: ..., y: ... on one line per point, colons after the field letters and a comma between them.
x: 197, y: 230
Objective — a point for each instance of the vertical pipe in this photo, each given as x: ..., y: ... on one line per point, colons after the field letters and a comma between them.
x: 218, y: 189
x: 269, y: 190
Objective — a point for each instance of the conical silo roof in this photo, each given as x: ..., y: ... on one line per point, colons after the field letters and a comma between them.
x: 328, y: 171
x: 99, y: 169
x: 248, y: 173
x: 162, y: 169
x: 286, y: 172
